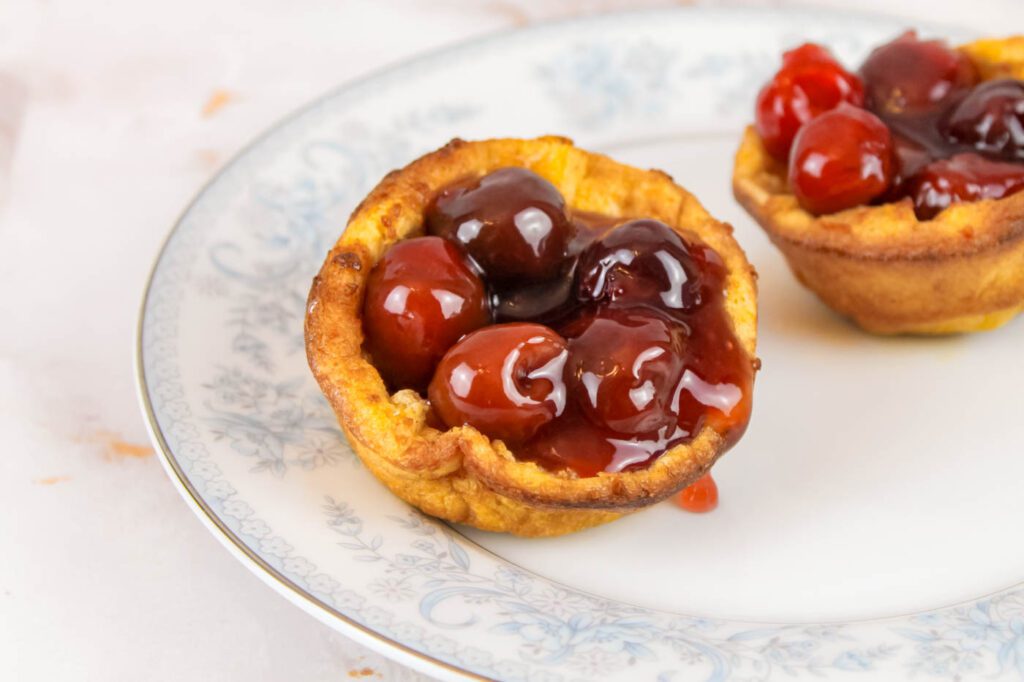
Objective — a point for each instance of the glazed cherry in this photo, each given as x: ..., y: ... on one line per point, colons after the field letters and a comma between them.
x: 512, y: 222
x: 990, y: 119
x: 624, y: 366
x: 642, y: 262
x: 841, y: 159
x: 909, y: 76
x: 960, y: 178
x: 505, y: 380
x: 809, y: 83
x: 700, y: 496
x: 421, y: 298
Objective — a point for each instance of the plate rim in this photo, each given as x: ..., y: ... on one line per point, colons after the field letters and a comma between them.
x: 269, y: 575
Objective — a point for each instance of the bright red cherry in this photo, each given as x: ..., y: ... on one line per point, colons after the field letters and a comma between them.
x: 624, y: 366
x: 505, y: 380
x: 421, y: 297
x: 909, y: 76
x: 808, y: 54
x: 962, y: 178
x: 990, y: 119
x: 841, y: 159
x: 642, y: 262
x: 512, y: 222
x: 700, y: 496
x: 809, y: 83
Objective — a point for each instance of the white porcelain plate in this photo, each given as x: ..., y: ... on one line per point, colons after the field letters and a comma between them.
x: 872, y: 519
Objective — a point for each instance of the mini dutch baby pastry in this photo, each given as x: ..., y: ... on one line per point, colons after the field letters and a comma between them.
x: 526, y: 337
x: 893, y: 191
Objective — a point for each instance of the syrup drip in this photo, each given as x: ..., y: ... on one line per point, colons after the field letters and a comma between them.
x: 699, y: 497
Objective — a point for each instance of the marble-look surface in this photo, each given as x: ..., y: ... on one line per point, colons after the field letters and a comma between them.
x: 112, y: 114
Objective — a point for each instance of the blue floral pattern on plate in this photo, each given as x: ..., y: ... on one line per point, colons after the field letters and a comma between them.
x: 248, y: 433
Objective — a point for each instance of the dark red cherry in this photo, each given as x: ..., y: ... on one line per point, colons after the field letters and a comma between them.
x: 624, y: 365
x: 841, y: 159
x: 512, y: 222
x: 809, y: 83
x: 505, y: 380
x: 909, y: 76
x: 642, y: 262
x: 421, y: 297
x: 962, y: 178
x: 990, y: 119
x: 909, y: 157
x: 547, y: 302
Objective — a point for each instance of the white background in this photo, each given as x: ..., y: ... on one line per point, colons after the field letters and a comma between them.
x: 112, y: 114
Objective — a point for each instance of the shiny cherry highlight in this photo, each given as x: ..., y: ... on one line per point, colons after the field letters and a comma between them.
x: 841, y: 159
x: 624, y: 367
x: 641, y: 262
x: 505, y: 380
x: 990, y: 119
x: 962, y: 178
x: 809, y: 83
x: 511, y: 221
x: 421, y: 297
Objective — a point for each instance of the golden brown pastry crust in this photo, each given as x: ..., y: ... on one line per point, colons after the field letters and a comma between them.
x: 882, y: 267
x: 459, y: 474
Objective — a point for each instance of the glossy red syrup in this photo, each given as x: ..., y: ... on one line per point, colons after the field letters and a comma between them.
x: 648, y: 365
x: 644, y: 376
x: 699, y: 497
x: 609, y: 350
x: 989, y: 119
x: 962, y: 178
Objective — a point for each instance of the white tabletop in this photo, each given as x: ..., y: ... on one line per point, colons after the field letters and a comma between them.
x: 112, y: 114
